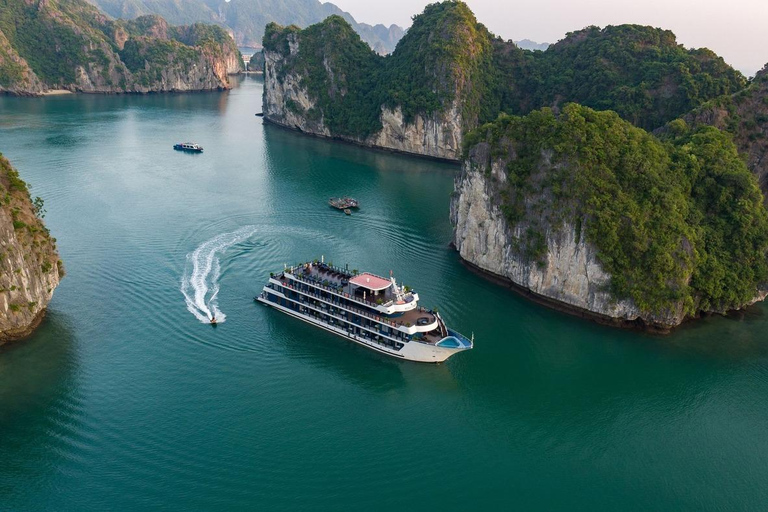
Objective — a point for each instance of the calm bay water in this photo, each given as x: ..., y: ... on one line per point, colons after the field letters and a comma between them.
x: 124, y: 400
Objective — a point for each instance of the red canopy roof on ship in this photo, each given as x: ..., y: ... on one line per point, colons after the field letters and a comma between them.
x: 370, y: 281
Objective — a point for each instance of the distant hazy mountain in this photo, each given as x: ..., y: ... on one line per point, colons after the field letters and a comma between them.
x: 247, y: 18
x: 527, y: 44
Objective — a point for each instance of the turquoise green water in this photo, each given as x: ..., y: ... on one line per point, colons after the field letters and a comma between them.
x: 123, y: 400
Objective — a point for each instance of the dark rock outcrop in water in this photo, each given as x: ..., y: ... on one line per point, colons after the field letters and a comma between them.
x: 30, y: 268
x: 69, y: 44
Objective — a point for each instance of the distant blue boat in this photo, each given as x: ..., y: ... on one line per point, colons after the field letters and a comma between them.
x: 188, y: 146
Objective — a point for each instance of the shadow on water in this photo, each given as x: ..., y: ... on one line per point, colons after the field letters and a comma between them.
x: 37, y: 392
x: 335, y: 355
x: 300, y: 150
x: 537, y: 360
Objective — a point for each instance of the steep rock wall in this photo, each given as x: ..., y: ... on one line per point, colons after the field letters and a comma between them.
x: 286, y: 100
x: 288, y: 103
x: 30, y: 268
x: 570, y: 277
x: 437, y: 135
x: 87, y: 52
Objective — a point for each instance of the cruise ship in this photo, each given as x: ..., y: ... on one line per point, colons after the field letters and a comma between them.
x: 364, y: 308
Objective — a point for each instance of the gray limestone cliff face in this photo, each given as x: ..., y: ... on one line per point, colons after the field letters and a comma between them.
x: 288, y: 103
x: 29, y: 264
x: 437, y: 135
x: 570, y: 275
x: 208, y: 71
x: 25, y: 290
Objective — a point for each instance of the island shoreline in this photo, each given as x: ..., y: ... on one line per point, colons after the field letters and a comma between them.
x: 11, y: 336
x: 573, y: 311
x: 381, y: 149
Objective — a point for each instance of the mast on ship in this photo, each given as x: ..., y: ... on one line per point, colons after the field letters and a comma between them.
x: 396, y: 289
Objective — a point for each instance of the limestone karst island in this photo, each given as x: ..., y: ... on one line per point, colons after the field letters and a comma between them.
x: 445, y: 256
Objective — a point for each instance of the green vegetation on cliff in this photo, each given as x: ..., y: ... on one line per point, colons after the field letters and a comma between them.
x: 639, y: 72
x: 70, y: 44
x: 339, y: 69
x: 26, y: 217
x: 66, y: 28
x: 675, y: 223
x: 445, y: 55
x: 745, y: 116
x: 147, y: 57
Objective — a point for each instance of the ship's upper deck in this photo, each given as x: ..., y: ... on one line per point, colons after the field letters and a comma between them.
x: 374, y: 291
x: 376, y: 297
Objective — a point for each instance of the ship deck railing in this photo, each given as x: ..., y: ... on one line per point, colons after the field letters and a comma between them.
x: 426, y: 338
x: 361, y: 312
x: 294, y: 271
x: 370, y: 332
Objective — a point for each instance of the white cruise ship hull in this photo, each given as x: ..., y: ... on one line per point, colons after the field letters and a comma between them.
x: 412, y: 351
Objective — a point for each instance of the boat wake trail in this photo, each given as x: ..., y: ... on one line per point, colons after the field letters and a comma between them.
x: 200, y: 281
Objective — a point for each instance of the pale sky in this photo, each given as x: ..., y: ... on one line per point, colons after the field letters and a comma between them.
x: 737, y: 30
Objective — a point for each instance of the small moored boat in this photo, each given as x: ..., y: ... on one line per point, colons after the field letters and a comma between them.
x: 352, y: 202
x: 188, y: 146
x: 343, y: 203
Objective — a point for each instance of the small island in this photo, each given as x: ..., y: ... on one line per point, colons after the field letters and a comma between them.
x: 85, y: 51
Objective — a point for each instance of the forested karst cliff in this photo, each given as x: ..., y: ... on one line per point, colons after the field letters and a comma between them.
x: 640, y: 72
x: 30, y: 268
x: 584, y: 209
x: 324, y: 80
x: 449, y: 74
x: 69, y: 44
x: 247, y: 18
